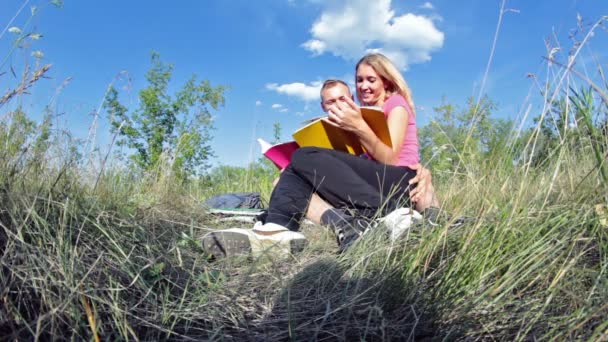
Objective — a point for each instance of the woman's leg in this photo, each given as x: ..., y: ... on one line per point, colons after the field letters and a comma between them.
x: 344, y: 180
x: 350, y: 182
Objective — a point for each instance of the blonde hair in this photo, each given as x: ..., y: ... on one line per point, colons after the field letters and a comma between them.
x: 392, y: 78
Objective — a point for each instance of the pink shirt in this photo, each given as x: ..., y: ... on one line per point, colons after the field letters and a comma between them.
x: 408, y: 155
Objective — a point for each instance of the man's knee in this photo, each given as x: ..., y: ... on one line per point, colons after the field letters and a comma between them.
x: 304, y: 156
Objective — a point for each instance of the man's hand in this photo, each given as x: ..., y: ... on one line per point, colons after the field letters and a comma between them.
x: 423, y: 181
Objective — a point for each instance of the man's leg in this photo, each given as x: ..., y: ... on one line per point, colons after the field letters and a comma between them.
x: 288, y: 204
x: 289, y: 200
x: 316, y: 208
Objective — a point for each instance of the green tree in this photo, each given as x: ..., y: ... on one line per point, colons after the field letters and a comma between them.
x: 24, y: 143
x: 276, y: 132
x: 460, y: 137
x: 177, y: 127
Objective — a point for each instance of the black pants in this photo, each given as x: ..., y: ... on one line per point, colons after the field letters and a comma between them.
x: 342, y: 180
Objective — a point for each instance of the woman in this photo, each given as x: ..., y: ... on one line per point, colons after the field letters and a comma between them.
x: 379, y: 183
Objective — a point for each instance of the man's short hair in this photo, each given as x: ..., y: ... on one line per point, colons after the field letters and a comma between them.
x: 332, y: 83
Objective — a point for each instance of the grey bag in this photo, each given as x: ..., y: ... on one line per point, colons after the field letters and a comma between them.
x: 236, y: 200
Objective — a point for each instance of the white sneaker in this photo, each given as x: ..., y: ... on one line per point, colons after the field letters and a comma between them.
x: 239, y: 241
x: 400, y: 220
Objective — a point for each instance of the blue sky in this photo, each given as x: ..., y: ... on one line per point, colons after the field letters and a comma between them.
x: 273, y: 54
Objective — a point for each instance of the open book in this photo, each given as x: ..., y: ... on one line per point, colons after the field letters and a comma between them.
x: 322, y: 134
x: 279, y: 154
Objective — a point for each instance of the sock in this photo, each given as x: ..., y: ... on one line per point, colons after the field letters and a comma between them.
x: 432, y: 215
x: 348, y: 228
x: 261, y: 217
x: 335, y: 217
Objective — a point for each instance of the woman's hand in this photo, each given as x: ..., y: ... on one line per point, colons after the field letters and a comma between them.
x: 346, y: 115
x: 423, y: 181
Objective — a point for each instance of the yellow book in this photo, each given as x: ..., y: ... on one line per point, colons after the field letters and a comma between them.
x: 321, y: 134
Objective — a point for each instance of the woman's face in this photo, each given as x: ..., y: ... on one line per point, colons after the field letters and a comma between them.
x: 370, y: 87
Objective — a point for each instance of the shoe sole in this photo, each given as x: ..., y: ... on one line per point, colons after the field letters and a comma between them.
x: 297, y: 245
x: 224, y: 244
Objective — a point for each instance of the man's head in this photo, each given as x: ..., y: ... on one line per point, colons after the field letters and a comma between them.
x: 333, y: 91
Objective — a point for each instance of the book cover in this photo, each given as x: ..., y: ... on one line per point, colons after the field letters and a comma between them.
x: 322, y: 134
x: 279, y: 154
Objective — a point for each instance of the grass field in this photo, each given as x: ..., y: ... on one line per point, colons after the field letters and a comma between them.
x: 121, y: 260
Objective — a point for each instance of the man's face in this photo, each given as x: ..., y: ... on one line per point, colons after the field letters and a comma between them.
x: 333, y: 94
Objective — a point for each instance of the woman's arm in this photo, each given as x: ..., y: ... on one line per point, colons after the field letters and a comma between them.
x: 347, y: 115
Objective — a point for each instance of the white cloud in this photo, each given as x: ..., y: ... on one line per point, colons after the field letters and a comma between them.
x: 277, y: 106
x: 427, y: 5
x: 349, y: 29
x: 258, y: 103
x: 306, y: 92
x: 316, y: 46
x: 283, y: 110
